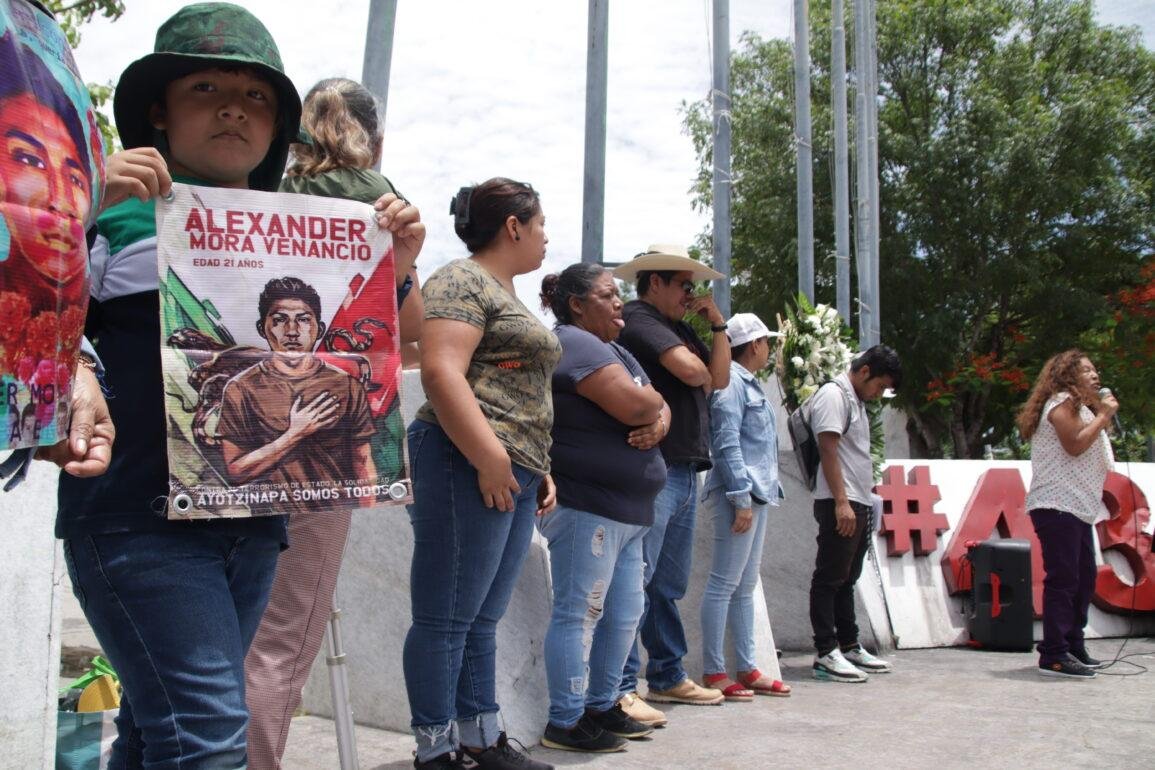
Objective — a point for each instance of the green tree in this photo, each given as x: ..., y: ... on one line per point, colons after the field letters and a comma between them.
x: 72, y: 15
x: 1017, y: 173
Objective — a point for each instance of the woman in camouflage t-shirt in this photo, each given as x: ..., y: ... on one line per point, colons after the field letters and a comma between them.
x: 479, y: 450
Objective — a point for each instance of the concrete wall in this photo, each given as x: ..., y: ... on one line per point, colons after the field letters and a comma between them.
x: 29, y: 622
x: 373, y: 593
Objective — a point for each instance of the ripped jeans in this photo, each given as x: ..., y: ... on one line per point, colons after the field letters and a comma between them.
x: 596, y: 565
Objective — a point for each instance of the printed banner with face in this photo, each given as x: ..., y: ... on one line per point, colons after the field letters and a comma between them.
x: 280, y: 354
x: 51, y: 175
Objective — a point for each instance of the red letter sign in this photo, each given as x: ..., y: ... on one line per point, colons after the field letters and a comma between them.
x: 1124, y: 533
x: 908, y: 514
x: 998, y: 502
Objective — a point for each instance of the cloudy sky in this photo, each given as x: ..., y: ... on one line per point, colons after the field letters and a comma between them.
x: 482, y: 88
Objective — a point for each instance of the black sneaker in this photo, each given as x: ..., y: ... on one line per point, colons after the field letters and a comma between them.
x: 1068, y: 668
x: 618, y: 722
x: 584, y: 736
x: 1085, y: 659
x: 447, y: 761
x: 503, y: 756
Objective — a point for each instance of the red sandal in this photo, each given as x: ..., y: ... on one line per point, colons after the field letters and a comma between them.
x: 763, y: 685
x: 730, y: 689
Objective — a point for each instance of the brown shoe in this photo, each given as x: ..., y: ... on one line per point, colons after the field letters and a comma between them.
x: 686, y: 691
x: 639, y: 710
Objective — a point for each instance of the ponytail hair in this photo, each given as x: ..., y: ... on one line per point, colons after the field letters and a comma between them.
x: 340, y: 118
x: 480, y: 211
x: 577, y: 280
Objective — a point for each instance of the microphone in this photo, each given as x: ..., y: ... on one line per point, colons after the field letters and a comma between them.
x: 1103, y: 393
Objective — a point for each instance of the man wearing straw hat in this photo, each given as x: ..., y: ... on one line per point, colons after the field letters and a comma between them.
x: 684, y: 371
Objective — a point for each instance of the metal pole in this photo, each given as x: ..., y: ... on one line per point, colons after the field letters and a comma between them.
x: 379, y: 53
x: 339, y: 686
x: 875, y: 197
x: 722, y: 187
x: 862, y: 215
x: 594, y: 186
x: 804, y: 148
x: 841, y: 160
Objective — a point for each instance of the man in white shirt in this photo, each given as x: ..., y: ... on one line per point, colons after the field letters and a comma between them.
x: 842, y: 508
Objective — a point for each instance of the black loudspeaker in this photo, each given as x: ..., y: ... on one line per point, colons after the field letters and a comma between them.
x: 1001, y: 617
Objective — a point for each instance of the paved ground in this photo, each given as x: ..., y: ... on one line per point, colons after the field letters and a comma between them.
x: 940, y: 709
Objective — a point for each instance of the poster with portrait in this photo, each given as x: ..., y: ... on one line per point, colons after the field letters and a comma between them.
x: 51, y: 175
x: 280, y: 353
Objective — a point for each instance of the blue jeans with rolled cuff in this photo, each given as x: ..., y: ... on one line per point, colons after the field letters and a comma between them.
x: 175, y: 614
x: 466, y: 561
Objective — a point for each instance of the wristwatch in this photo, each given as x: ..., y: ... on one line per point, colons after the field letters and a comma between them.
x: 719, y: 328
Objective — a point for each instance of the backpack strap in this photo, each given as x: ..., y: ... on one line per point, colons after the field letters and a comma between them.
x: 849, y: 406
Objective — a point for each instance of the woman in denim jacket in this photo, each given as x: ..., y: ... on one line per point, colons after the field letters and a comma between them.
x: 742, y: 485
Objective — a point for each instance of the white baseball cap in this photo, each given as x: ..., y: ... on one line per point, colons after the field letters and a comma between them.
x: 746, y: 327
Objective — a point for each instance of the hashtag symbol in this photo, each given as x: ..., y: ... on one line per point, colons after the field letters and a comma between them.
x: 908, y: 513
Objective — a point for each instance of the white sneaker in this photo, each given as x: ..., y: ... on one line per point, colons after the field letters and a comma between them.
x: 862, y: 659
x: 833, y: 667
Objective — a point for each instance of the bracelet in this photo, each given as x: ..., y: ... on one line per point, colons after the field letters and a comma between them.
x: 86, y: 361
x: 721, y: 328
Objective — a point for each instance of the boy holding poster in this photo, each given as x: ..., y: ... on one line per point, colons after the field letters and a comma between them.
x: 175, y: 604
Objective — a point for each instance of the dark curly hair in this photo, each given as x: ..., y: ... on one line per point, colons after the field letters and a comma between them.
x: 288, y: 288
x: 1059, y: 375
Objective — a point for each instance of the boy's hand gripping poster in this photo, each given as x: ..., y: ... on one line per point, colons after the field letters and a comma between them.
x: 280, y: 354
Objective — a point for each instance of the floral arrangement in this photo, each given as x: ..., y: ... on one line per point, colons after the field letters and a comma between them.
x: 816, y: 346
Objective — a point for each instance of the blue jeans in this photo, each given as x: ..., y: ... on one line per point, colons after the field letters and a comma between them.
x: 667, y: 550
x: 596, y: 564
x: 175, y: 613
x: 466, y: 559
x: 729, y: 590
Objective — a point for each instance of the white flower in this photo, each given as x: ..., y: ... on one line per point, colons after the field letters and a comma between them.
x: 797, y: 361
x: 808, y: 381
x: 806, y: 392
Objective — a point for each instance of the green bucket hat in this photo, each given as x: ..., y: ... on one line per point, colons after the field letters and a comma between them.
x: 199, y: 37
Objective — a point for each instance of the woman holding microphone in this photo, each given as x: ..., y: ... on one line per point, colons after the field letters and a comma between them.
x: 1066, y: 419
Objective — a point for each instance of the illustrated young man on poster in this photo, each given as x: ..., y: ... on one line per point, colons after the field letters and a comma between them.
x: 292, y: 417
x: 280, y: 354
